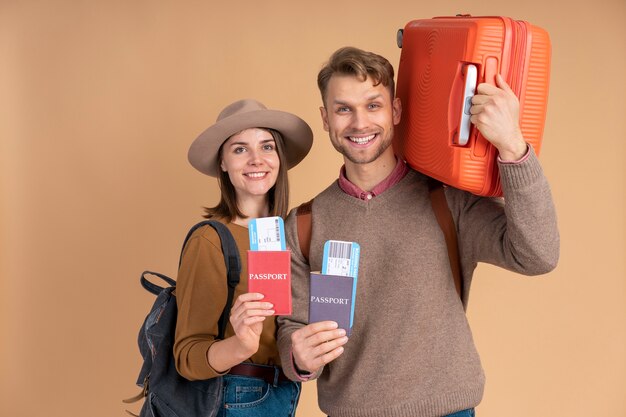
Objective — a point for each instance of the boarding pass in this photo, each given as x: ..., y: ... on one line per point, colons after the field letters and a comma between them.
x: 267, y: 233
x: 341, y: 258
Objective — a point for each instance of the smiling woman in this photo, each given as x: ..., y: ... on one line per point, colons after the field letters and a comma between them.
x: 256, y: 172
x: 252, y: 163
x: 249, y: 149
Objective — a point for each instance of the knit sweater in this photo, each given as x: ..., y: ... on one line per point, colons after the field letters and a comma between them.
x: 411, y: 351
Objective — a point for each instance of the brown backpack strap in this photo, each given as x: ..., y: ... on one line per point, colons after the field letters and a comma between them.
x: 442, y: 213
x: 303, y: 220
x: 446, y: 223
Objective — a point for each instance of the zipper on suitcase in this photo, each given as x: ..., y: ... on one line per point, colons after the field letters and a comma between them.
x: 519, y: 34
x: 516, y: 69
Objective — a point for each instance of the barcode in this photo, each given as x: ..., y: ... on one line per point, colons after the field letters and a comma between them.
x: 277, y: 227
x: 340, y: 250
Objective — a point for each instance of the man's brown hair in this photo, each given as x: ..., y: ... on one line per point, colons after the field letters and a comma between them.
x: 358, y: 63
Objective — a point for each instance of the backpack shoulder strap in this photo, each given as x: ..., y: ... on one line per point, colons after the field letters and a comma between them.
x: 442, y: 213
x: 303, y: 221
x: 446, y: 223
x: 231, y: 260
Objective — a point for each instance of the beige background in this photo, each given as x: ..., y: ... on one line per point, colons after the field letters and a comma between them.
x: 100, y: 100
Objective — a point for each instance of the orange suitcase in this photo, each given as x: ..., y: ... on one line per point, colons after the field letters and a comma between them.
x: 441, y: 62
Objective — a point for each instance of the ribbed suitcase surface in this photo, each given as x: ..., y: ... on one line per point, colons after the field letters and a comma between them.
x: 434, y: 66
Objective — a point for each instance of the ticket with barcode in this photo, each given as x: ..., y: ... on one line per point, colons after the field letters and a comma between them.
x: 267, y: 233
x: 341, y: 258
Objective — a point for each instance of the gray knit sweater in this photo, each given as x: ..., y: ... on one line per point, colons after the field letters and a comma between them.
x: 411, y: 351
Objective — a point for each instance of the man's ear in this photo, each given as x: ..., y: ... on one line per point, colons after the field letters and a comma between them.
x: 324, y: 115
x: 397, y: 111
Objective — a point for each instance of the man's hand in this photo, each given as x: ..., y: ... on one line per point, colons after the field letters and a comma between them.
x: 317, y: 344
x: 495, y: 112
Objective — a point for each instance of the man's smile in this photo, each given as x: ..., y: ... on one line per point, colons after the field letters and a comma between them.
x: 362, y: 140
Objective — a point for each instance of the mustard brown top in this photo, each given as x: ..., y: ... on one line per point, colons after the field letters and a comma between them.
x: 201, y: 293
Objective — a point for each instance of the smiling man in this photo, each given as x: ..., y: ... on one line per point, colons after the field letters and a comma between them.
x: 411, y: 351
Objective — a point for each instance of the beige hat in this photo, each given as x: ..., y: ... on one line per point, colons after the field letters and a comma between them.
x: 246, y: 114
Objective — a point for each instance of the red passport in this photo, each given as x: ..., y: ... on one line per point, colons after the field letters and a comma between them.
x: 269, y: 273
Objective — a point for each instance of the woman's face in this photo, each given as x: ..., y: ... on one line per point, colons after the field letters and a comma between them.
x: 252, y: 162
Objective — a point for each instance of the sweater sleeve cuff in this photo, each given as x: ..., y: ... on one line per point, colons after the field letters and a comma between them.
x: 302, y: 375
x: 519, y: 161
x: 522, y: 173
x: 195, y: 365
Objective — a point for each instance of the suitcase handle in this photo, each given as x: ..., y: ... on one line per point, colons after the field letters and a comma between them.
x: 463, y: 89
x: 481, y: 145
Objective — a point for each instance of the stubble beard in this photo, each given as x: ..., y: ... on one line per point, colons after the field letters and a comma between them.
x: 354, y: 157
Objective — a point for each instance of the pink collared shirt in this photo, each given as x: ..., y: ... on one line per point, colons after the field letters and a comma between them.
x: 399, y: 172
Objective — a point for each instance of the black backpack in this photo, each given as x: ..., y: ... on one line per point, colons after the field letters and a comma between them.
x: 166, y: 392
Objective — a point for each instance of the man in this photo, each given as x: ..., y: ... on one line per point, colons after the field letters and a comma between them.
x: 411, y: 351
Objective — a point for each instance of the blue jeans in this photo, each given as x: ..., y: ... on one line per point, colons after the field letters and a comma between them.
x: 253, y: 397
x: 465, y: 413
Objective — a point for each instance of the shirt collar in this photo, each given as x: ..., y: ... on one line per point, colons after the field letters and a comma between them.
x: 399, y: 172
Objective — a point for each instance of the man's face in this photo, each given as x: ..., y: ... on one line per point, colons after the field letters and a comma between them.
x: 359, y: 118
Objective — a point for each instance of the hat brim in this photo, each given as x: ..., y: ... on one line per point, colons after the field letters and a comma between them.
x: 297, y: 135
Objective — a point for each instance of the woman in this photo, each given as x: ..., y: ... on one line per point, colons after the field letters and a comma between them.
x: 249, y: 150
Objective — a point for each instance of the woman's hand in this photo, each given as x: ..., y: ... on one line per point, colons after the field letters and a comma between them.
x: 247, y: 316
